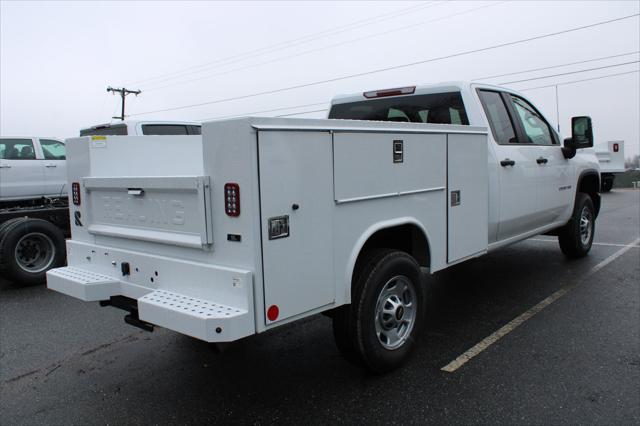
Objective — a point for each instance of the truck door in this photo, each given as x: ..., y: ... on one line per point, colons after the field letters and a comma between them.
x: 554, y: 170
x: 55, y: 171
x: 516, y: 168
x: 296, y: 199
x: 21, y: 175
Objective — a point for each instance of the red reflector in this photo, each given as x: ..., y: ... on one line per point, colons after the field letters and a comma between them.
x: 75, y: 193
x: 390, y: 92
x: 616, y: 147
x: 232, y: 199
x: 273, y: 312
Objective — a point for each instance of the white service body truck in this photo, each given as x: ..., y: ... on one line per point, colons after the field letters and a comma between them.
x: 264, y: 221
x: 611, y: 158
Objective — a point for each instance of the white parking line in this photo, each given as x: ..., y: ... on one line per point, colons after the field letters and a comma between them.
x: 595, y: 244
x: 506, y: 329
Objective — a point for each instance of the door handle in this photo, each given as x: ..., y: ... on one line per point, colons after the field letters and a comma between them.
x: 51, y: 165
x: 506, y: 162
x: 542, y: 160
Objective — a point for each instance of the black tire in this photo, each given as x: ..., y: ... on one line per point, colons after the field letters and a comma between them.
x: 344, y: 336
x: 29, y: 248
x: 362, y: 336
x: 576, y: 236
x: 8, y: 223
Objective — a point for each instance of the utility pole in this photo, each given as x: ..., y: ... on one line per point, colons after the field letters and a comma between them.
x: 123, y: 93
x: 557, y: 109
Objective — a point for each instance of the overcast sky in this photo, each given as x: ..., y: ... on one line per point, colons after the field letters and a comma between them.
x: 57, y: 58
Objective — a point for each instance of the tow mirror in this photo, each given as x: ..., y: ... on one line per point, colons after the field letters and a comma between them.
x: 581, y: 136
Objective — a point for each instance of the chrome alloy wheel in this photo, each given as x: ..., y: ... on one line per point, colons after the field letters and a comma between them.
x: 395, y: 312
x: 35, y: 252
x: 586, y: 225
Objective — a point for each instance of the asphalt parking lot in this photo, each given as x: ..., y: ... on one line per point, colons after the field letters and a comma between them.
x: 576, y: 360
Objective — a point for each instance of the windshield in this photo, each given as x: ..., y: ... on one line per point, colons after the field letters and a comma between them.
x: 437, y: 108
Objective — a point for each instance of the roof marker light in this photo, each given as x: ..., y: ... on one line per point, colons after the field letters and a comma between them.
x: 390, y: 92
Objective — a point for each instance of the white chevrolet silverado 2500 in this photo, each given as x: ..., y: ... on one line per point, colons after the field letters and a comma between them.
x: 265, y: 221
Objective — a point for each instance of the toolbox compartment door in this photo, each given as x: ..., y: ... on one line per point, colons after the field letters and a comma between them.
x: 296, y: 197
x: 468, y: 196
x: 170, y: 210
x: 380, y: 165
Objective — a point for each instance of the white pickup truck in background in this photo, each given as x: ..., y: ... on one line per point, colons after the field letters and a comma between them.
x: 143, y: 128
x: 264, y: 221
x: 611, y: 158
x: 32, y: 167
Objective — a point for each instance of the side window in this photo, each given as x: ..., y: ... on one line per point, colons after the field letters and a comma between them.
x: 498, y: 116
x: 52, y: 149
x: 17, y: 149
x: 536, y: 129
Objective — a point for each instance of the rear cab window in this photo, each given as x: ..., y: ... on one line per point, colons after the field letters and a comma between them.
x: 164, y: 129
x: 436, y: 108
x: 17, y: 149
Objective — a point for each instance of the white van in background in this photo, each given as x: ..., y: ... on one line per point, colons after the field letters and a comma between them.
x: 142, y: 128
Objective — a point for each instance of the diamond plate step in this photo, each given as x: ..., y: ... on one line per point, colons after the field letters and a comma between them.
x: 203, y: 319
x: 83, y: 284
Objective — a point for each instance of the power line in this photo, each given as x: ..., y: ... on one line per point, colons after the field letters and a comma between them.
x: 557, y: 66
x: 520, y: 90
x: 304, y: 112
x: 463, y: 53
x: 306, y: 52
x: 578, y: 81
x: 321, y: 103
x: 571, y: 72
x: 263, y: 111
x: 294, y: 42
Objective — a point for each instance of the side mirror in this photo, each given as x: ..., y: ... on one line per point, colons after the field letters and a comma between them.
x: 581, y: 136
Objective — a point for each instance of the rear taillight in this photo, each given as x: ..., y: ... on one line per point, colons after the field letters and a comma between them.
x: 616, y: 147
x: 232, y: 199
x: 390, y: 92
x: 75, y: 193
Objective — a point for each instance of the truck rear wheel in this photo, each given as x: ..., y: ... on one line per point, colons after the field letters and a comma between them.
x: 380, y: 326
x: 29, y: 248
x: 576, y: 236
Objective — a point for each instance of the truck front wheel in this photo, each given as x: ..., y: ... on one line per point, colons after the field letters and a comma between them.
x: 576, y: 236
x: 380, y: 327
x: 29, y: 248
